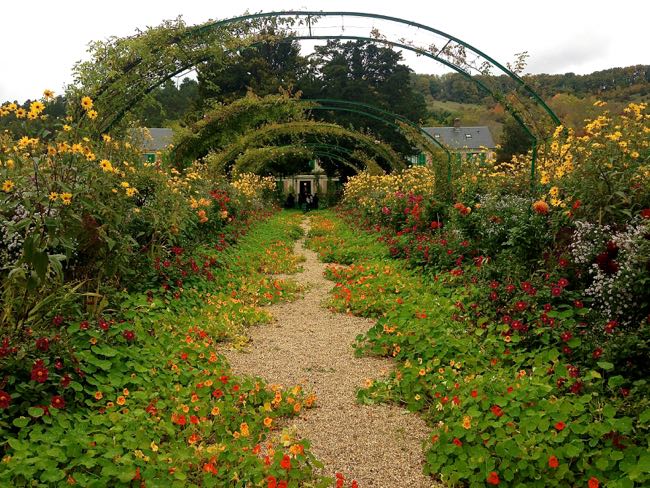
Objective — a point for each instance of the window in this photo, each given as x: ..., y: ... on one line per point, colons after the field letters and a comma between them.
x: 468, y: 136
x: 437, y: 136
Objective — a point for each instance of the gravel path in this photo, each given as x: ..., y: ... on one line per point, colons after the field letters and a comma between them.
x: 378, y: 445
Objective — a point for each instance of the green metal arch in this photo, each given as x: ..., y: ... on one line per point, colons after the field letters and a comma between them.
x: 307, y: 127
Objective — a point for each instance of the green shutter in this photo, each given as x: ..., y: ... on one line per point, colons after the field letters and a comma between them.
x: 422, y: 159
x: 150, y: 157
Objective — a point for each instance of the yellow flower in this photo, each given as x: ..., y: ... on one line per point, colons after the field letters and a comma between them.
x: 53, y: 196
x: 153, y: 446
x: 48, y: 94
x: 10, y: 163
x: 7, y: 186
x: 20, y: 113
x: 467, y: 422
x: 92, y: 114
x: 67, y: 128
x: 554, y: 191
x: 66, y: 198
x: 106, y: 165
x: 106, y: 138
x: 125, y: 184
x: 36, y: 107
x: 87, y: 103
x: 243, y: 428
x: 215, y: 411
x: 634, y: 154
x: 131, y: 191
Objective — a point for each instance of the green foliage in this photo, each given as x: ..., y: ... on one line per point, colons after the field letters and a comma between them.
x: 152, y: 401
x: 494, y: 403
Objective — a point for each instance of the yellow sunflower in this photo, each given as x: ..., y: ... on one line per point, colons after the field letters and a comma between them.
x: 87, y: 103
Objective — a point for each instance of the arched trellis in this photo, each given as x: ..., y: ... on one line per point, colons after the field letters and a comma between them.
x: 298, y: 130
x: 187, y: 48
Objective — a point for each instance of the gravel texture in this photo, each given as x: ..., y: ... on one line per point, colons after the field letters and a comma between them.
x: 378, y: 445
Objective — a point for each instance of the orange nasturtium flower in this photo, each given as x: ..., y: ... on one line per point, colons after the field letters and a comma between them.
x: 99, y: 395
x: 120, y: 400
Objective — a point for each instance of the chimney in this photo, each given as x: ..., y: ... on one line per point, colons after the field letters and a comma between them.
x: 456, y: 124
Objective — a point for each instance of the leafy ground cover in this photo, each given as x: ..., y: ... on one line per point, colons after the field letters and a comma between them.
x: 153, y: 402
x: 505, y: 408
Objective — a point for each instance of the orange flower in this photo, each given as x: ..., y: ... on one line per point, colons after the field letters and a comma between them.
x: 493, y: 478
x: 194, y: 438
x: 99, y: 395
x: 593, y: 482
x: 120, y: 400
x: 541, y: 207
x: 422, y: 372
x: 553, y: 462
x: 215, y: 411
x: 297, y: 407
x: 243, y: 428
x: 467, y: 422
x: 268, y: 421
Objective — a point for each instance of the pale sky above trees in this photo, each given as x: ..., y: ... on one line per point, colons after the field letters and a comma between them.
x: 40, y: 41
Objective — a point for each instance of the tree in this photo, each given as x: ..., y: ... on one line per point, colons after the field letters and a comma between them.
x: 364, y: 72
x: 514, y: 140
x: 263, y: 69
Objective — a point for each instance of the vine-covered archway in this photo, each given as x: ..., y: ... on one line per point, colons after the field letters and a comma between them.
x: 126, y: 70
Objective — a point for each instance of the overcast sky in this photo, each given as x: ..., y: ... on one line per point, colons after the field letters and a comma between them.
x: 40, y: 41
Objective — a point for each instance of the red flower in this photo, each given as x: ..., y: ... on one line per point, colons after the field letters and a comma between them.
x: 645, y: 213
x: 566, y: 336
x: 354, y: 484
x: 84, y: 325
x: 496, y: 410
x: 493, y: 478
x: 521, y: 305
x: 597, y: 353
x: 57, y: 401
x: 282, y: 484
x: 474, y: 393
x: 624, y: 391
x: 563, y: 282
x: 65, y: 381
x: 5, y: 399
x: 194, y: 419
x: 286, y: 462
x: 556, y: 291
x: 209, y: 468
x: 57, y: 320
x: 129, y: 335
x: 457, y: 441
x: 436, y: 225
x: 43, y: 344
x: 560, y: 425
x: 39, y: 372
x: 593, y: 482
x: 553, y: 462
x: 271, y: 482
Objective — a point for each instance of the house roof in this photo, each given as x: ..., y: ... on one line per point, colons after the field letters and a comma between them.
x: 463, y: 137
x: 152, y: 138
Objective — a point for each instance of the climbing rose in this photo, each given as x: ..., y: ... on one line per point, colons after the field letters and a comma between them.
x: 493, y: 478
x: 553, y: 462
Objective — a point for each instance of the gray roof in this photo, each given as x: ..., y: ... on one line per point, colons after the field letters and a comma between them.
x: 463, y: 137
x: 152, y: 138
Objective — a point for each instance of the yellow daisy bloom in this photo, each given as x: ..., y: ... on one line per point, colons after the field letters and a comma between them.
x: 106, y: 165
x: 7, y: 186
x: 87, y: 103
x: 92, y: 114
x: 66, y: 198
x: 48, y: 94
